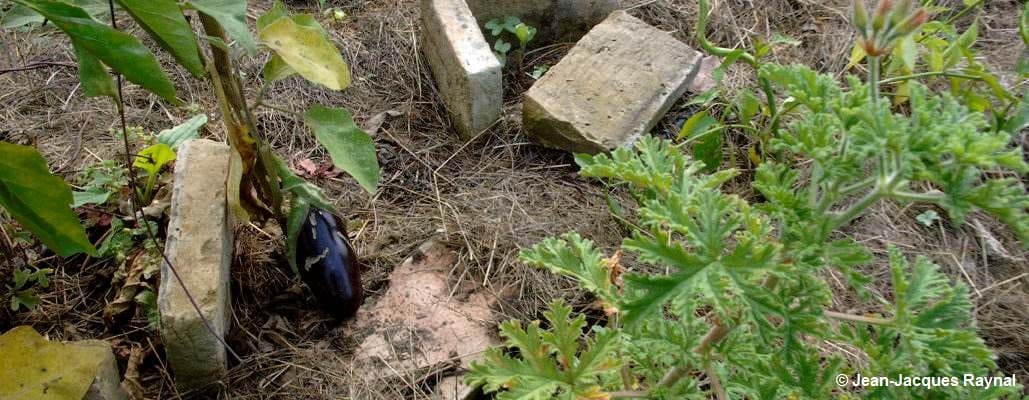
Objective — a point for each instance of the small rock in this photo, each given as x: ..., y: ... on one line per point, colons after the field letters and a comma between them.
x: 199, y: 246
x: 611, y: 88
x: 417, y: 325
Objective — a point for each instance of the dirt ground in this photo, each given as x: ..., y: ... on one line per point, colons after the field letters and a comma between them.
x: 485, y: 198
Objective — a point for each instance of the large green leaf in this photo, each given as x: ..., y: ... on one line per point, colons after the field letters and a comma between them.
x: 232, y: 15
x: 351, y: 149
x: 40, y: 201
x: 304, y: 46
x: 178, y: 135
x: 164, y: 21
x: 119, y: 50
x: 20, y: 15
x: 94, y: 77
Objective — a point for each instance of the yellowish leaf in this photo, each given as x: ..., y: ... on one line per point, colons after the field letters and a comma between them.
x: 857, y: 54
x: 308, y: 51
x: 33, y: 368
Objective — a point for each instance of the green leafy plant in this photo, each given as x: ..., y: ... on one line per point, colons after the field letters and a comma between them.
x: 732, y: 300
x: 147, y: 299
x: 538, y: 71
x: 937, y: 53
x: 510, y: 26
x: 25, y: 282
x: 98, y: 182
x: 260, y: 186
x: 928, y: 52
x: 151, y: 161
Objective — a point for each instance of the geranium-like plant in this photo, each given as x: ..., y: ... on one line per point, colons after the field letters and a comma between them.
x: 737, y: 304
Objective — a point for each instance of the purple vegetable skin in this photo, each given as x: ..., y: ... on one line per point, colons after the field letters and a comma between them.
x: 328, y: 264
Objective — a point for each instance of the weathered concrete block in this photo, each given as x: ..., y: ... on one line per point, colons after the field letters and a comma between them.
x: 467, y: 73
x: 612, y: 87
x: 199, y: 245
x: 556, y: 20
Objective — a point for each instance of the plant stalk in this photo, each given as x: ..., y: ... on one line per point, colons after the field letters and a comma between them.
x: 856, y: 318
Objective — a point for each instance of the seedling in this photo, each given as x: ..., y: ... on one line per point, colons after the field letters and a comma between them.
x: 25, y: 282
x: 512, y: 27
x: 538, y: 71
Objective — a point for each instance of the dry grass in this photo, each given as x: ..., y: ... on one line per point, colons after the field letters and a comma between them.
x: 487, y: 197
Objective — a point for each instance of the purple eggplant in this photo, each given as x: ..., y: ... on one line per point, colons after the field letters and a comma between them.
x: 328, y: 264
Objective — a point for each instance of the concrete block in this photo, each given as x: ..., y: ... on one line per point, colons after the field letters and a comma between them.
x: 467, y: 73
x: 199, y: 245
x: 556, y: 20
x: 611, y: 88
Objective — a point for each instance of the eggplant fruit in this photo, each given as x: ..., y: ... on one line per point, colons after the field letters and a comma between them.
x: 328, y: 264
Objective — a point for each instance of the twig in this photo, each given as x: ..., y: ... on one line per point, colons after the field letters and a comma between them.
x: 38, y: 65
x: 856, y: 318
x: 1004, y: 282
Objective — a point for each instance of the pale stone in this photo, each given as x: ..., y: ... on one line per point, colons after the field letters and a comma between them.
x: 611, y: 88
x: 467, y: 73
x: 107, y: 383
x: 555, y: 20
x: 419, y: 324
x: 199, y: 246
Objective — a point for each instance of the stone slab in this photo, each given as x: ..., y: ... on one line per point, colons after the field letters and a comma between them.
x: 555, y: 20
x: 199, y: 245
x: 419, y: 324
x: 611, y: 88
x: 467, y: 73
